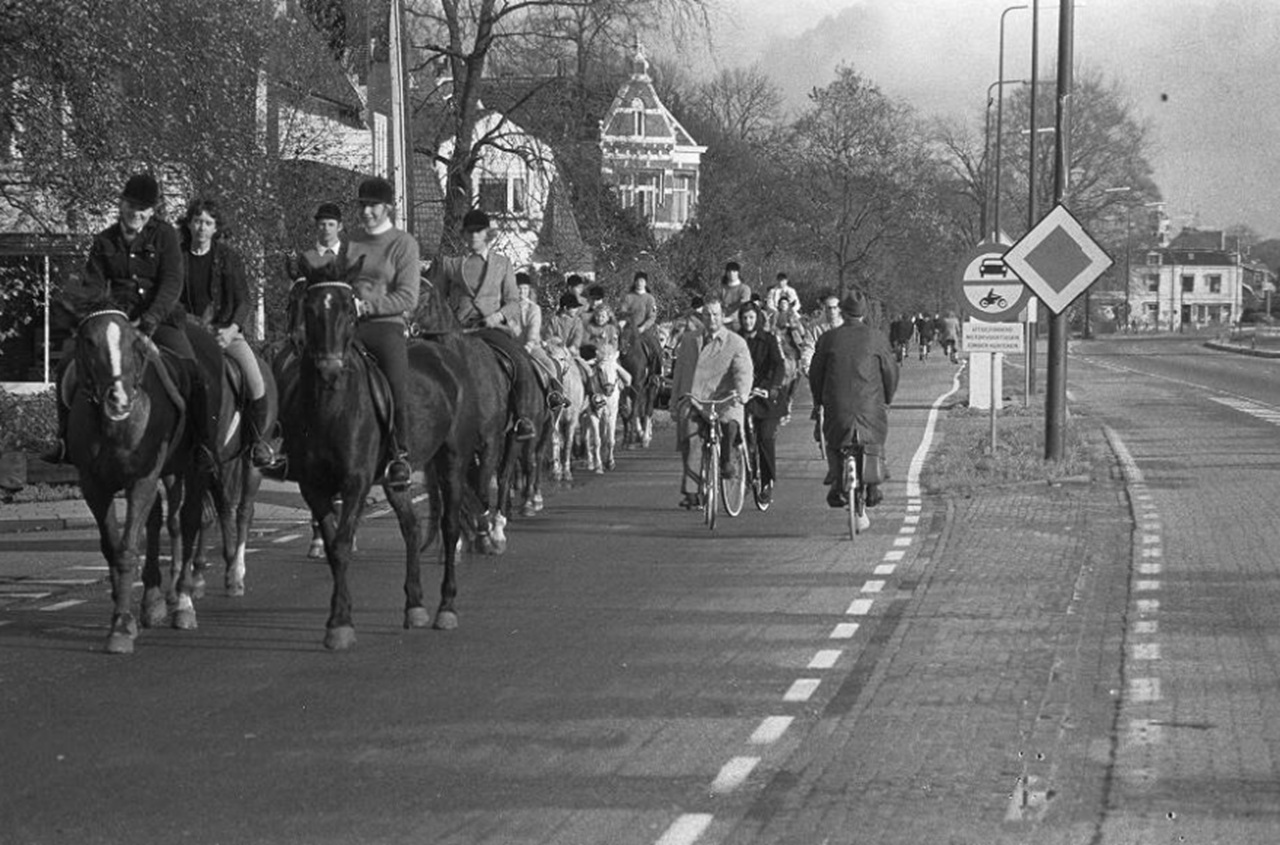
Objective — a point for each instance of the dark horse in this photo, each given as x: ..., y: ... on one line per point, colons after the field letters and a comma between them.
x: 490, y: 382
x: 235, y: 492
x: 336, y: 443
x: 127, y: 431
x: 641, y: 357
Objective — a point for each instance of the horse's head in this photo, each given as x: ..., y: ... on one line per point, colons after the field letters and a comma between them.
x: 329, y: 315
x: 111, y: 357
x: 433, y: 314
x: 607, y: 368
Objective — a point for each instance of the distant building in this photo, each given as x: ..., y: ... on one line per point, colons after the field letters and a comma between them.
x: 649, y: 158
x: 1201, y: 278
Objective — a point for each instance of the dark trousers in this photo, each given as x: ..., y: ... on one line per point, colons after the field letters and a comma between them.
x: 766, y: 432
x: 526, y: 396
x: 385, y: 340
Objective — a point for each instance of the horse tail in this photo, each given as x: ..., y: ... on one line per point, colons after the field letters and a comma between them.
x: 472, y: 508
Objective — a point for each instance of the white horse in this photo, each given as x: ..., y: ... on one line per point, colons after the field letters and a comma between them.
x: 600, y: 418
x: 565, y: 424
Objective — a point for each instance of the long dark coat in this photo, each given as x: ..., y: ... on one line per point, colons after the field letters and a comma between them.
x: 770, y: 374
x: 853, y: 378
x: 228, y: 292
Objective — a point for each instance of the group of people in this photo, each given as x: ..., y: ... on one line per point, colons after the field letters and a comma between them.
x: 924, y: 330
x: 738, y: 348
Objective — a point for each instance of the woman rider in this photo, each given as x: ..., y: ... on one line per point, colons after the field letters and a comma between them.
x: 136, y: 263
x: 386, y: 290
x: 768, y: 402
x: 216, y: 295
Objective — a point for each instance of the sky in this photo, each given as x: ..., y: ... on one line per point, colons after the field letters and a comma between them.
x: 1203, y: 74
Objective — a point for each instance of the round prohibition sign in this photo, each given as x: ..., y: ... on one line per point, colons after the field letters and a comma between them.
x: 987, y: 289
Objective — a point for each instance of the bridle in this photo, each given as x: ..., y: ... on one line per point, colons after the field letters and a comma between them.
x: 338, y: 357
x: 98, y: 394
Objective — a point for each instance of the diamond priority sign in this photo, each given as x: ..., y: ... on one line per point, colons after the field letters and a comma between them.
x: 1057, y: 259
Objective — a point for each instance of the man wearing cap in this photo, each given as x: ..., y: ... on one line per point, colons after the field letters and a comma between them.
x: 387, y: 292
x: 136, y: 263
x: 481, y: 289
x: 328, y: 244
x: 853, y: 377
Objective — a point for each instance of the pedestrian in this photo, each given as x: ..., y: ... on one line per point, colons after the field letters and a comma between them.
x: 734, y: 293
x: 829, y: 317
x: 216, y: 295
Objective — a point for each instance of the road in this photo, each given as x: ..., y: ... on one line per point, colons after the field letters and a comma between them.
x: 981, y: 670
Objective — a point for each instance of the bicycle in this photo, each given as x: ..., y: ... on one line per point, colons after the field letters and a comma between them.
x: 710, y: 481
x: 749, y: 457
x: 855, y: 491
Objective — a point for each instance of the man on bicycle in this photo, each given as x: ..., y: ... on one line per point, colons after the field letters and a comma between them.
x: 852, y: 378
x: 712, y: 363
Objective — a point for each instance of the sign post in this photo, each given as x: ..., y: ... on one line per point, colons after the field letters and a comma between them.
x: 994, y: 339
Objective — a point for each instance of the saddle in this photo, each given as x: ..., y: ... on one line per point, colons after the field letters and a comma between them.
x: 379, y: 387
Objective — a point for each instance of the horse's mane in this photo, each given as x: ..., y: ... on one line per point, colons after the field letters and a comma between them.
x: 433, y: 315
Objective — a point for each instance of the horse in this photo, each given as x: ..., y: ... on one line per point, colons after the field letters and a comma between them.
x: 489, y: 380
x: 641, y: 357
x: 233, y: 494
x: 335, y: 441
x: 126, y: 430
x: 600, y: 417
x: 564, y: 430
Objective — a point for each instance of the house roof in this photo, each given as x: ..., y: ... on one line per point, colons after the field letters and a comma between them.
x: 1197, y: 239
x: 559, y: 240
x: 660, y: 125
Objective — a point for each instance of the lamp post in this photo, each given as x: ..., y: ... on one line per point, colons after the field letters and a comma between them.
x: 994, y: 230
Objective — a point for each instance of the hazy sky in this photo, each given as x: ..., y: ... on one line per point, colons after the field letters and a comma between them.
x: 1215, y: 139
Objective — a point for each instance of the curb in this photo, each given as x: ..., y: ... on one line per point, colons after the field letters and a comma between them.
x: 1242, y: 350
x: 55, y: 523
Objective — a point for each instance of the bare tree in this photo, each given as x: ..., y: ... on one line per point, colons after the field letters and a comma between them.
x: 743, y: 104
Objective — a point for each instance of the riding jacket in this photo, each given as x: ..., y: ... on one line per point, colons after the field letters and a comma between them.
x: 143, y: 278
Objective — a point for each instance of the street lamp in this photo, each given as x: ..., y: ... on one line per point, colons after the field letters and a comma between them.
x: 995, y: 227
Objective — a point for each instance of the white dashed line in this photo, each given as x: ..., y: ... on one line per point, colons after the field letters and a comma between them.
x: 771, y: 730
x: 884, y: 569
x: 873, y: 586
x: 1144, y: 690
x: 1146, y: 626
x: 1147, y: 606
x: 287, y: 538
x: 686, y: 829
x: 1146, y: 586
x: 896, y: 554
x: 732, y: 774
x: 1146, y: 651
x: 844, y: 631
x: 802, y: 689
x: 825, y: 659
x: 902, y: 541
x: 62, y: 605
x: 1149, y: 568
x: 860, y: 607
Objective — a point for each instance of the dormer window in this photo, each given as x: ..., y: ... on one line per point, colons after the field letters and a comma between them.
x: 637, y: 108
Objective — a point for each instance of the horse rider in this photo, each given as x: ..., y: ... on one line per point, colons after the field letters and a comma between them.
x: 528, y: 331
x: 215, y: 294
x: 852, y: 378
x: 639, y: 308
x: 136, y: 263
x: 329, y: 226
x: 480, y: 288
x: 386, y: 292
x: 708, y: 365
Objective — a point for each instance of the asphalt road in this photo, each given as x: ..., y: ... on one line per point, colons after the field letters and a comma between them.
x: 985, y: 670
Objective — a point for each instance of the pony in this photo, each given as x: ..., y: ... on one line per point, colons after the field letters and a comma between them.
x: 231, y: 498
x: 641, y: 357
x: 600, y: 417
x: 564, y: 428
x: 334, y: 401
x: 489, y: 381
x: 127, y: 430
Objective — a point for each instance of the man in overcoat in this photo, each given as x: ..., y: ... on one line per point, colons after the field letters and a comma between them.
x: 710, y: 364
x: 853, y: 377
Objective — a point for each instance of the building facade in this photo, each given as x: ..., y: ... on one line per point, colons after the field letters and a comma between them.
x: 649, y: 158
x: 1200, y: 279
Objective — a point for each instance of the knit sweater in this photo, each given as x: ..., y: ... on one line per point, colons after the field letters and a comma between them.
x: 388, y: 280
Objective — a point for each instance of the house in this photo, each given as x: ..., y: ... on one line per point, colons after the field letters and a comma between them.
x: 650, y: 159
x: 1200, y: 278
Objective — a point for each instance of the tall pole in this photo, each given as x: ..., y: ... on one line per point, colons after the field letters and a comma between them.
x: 1032, y: 215
x: 400, y: 155
x: 1000, y: 121
x: 1055, y: 408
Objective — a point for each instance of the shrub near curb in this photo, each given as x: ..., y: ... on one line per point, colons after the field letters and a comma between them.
x: 28, y: 425
x: 964, y: 463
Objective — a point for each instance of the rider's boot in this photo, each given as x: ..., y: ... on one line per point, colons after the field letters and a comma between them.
x: 555, y: 394
x: 399, y: 471
x: 262, y: 454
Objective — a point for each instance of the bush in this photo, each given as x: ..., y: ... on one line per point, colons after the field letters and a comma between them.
x: 28, y: 422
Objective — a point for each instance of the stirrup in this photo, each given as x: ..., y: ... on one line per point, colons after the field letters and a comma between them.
x: 524, y: 429
x: 263, y: 456
x: 57, y: 454
x: 399, y: 472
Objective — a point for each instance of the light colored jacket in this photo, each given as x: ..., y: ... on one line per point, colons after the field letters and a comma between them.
x: 496, y: 290
x: 720, y: 366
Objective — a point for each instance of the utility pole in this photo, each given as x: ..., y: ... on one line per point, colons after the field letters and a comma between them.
x: 1055, y: 405
x: 1033, y: 312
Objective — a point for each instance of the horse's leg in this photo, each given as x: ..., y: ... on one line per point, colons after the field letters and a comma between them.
x: 609, y: 433
x: 557, y: 448
x: 201, y: 557
x: 251, y: 480
x: 315, y: 551
x: 593, y: 444
x: 123, y: 627
x: 338, y: 529
x: 191, y: 516
x: 452, y: 479
x: 415, y: 615
x: 155, y: 604
x: 139, y: 499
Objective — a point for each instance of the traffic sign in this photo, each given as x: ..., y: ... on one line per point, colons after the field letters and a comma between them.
x: 1057, y: 259
x: 987, y: 289
x: 992, y: 337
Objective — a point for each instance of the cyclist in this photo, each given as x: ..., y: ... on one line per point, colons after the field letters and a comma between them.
x: 949, y: 335
x: 852, y: 378
x: 925, y: 329
x: 710, y: 364
x: 768, y: 394
x: 900, y: 332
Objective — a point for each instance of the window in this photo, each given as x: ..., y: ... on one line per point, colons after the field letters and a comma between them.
x: 682, y: 198
x: 1153, y: 282
x: 503, y: 194
x: 1188, y: 284
x: 637, y: 107
x: 1153, y: 259
x: 1215, y: 283
x: 640, y: 191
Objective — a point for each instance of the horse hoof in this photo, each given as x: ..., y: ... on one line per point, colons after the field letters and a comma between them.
x: 154, y: 614
x: 119, y: 643
x: 340, y: 638
x: 184, y: 620
x: 316, y: 550
x: 235, y: 589
x: 416, y: 617
x: 529, y: 509
x: 611, y: 465
x: 198, y: 587
x: 599, y: 470
x: 537, y: 503
x: 446, y: 620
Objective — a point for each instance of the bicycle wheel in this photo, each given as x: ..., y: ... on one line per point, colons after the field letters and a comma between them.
x: 734, y: 490
x: 852, y: 490
x: 710, y: 483
x: 753, y: 458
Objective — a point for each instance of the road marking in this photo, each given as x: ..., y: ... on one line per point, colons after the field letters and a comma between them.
x: 686, y: 829
x: 907, y: 529
x: 802, y: 689
x: 1146, y: 606
x: 286, y: 538
x: 1146, y: 586
x: 860, y: 607
x: 1149, y: 568
x: 61, y: 582
x: 1150, y: 539
x: 97, y: 567
x: 884, y: 569
x: 912, y: 519
x: 1144, y: 690
x: 62, y: 605
x: 895, y: 554
x: 873, y: 586
x: 902, y: 541
x: 1146, y: 626
x: 825, y: 659
x: 844, y: 631
x: 926, y: 442
x: 732, y: 774
x: 1146, y: 651
x: 1154, y: 552
x: 771, y: 730
x: 9, y: 592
